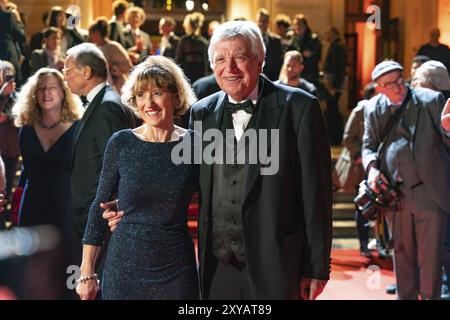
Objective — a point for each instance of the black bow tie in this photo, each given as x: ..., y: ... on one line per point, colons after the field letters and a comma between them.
x: 84, y: 100
x: 247, y: 106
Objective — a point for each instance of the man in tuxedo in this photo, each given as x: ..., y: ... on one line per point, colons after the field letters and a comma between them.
x: 261, y: 236
x: 85, y: 70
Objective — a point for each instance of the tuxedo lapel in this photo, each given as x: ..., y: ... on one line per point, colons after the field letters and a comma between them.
x: 211, y: 119
x: 268, y: 118
x: 92, y: 106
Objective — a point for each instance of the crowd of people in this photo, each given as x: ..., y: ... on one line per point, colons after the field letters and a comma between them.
x: 96, y: 116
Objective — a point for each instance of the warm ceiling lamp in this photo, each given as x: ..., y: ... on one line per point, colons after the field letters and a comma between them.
x: 205, y: 5
x: 189, y: 5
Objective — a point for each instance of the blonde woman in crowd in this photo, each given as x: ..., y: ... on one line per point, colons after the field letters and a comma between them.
x: 48, y: 113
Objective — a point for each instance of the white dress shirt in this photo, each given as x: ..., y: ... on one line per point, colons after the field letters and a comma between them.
x: 94, y: 91
x: 242, y: 118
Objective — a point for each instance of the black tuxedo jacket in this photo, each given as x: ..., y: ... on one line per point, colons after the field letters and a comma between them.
x: 286, y: 216
x: 104, y: 116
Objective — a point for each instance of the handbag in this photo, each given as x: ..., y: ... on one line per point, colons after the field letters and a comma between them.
x: 348, y: 172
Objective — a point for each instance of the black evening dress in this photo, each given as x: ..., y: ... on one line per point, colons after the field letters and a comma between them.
x: 151, y: 254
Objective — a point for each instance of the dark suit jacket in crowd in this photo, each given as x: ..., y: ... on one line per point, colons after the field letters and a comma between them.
x: 311, y: 42
x: 430, y: 146
x: 171, y: 49
x: 192, y: 56
x: 286, y: 216
x: 129, y: 41
x: 38, y: 60
x: 335, y: 64
x: 12, y: 33
x: 104, y: 116
x: 205, y: 86
x: 274, y: 57
x: 117, y: 33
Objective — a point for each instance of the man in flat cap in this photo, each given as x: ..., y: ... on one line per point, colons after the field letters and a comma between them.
x: 416, y: 162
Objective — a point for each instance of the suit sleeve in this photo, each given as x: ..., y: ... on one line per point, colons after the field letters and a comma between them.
x: 97, y: 227
x: 435, y: 108
x: 352, y: 139
x: 339, y: 62
x: 315, y: 160
x: 114, y: 118
x: 370, y: 138
x: 18, y: 30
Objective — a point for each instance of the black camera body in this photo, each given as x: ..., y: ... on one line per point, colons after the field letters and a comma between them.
x: 370, y: 203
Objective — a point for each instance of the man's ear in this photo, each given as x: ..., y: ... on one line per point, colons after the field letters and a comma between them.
x: 378, y: 89
x: 87, y: 72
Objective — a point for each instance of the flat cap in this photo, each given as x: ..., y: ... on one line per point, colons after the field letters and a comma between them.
x: 385, y: 67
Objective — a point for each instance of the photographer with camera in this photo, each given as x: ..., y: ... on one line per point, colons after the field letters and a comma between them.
x: 406, y: 154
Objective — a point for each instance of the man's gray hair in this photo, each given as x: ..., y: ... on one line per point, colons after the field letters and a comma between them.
x: 432, y: 74
x: 88, y: 54
x: 247, y: 30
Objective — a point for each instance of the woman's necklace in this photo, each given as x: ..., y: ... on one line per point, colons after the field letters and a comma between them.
x: 49, y: 127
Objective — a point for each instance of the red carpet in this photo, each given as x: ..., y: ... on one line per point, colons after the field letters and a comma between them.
x: 354, y: 277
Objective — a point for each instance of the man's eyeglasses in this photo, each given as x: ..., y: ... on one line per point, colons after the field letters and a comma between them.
x: 65, y: 71
x: 392, y: 84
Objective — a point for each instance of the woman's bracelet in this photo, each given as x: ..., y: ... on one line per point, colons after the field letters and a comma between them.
x: 87, y: 278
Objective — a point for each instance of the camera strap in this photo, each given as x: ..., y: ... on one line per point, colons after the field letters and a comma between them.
x: 389, y: 125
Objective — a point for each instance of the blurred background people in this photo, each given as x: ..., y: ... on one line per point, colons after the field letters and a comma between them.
x: 50, y: 55
x: 211, y: 27
x: 436, y: 50
x: 192, y: 52
x: 349, y: 165
x: 169, y: 40
x: 308, y: 43
x: 69, y: 37
x: 119, y: 63
x: 9, y: 134
x: 334, y: 77
x: 274, y: 52
x: 117, y: 22
x: 417, y: 61
x: 291, y: 72
x: 138, y: 41
x: 282, y: 27
x: 11, y: 35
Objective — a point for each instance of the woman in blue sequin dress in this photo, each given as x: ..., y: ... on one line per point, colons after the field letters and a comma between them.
x: 151, y: 254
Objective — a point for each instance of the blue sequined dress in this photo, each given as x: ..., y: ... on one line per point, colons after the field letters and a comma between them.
x: 150, y: 254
